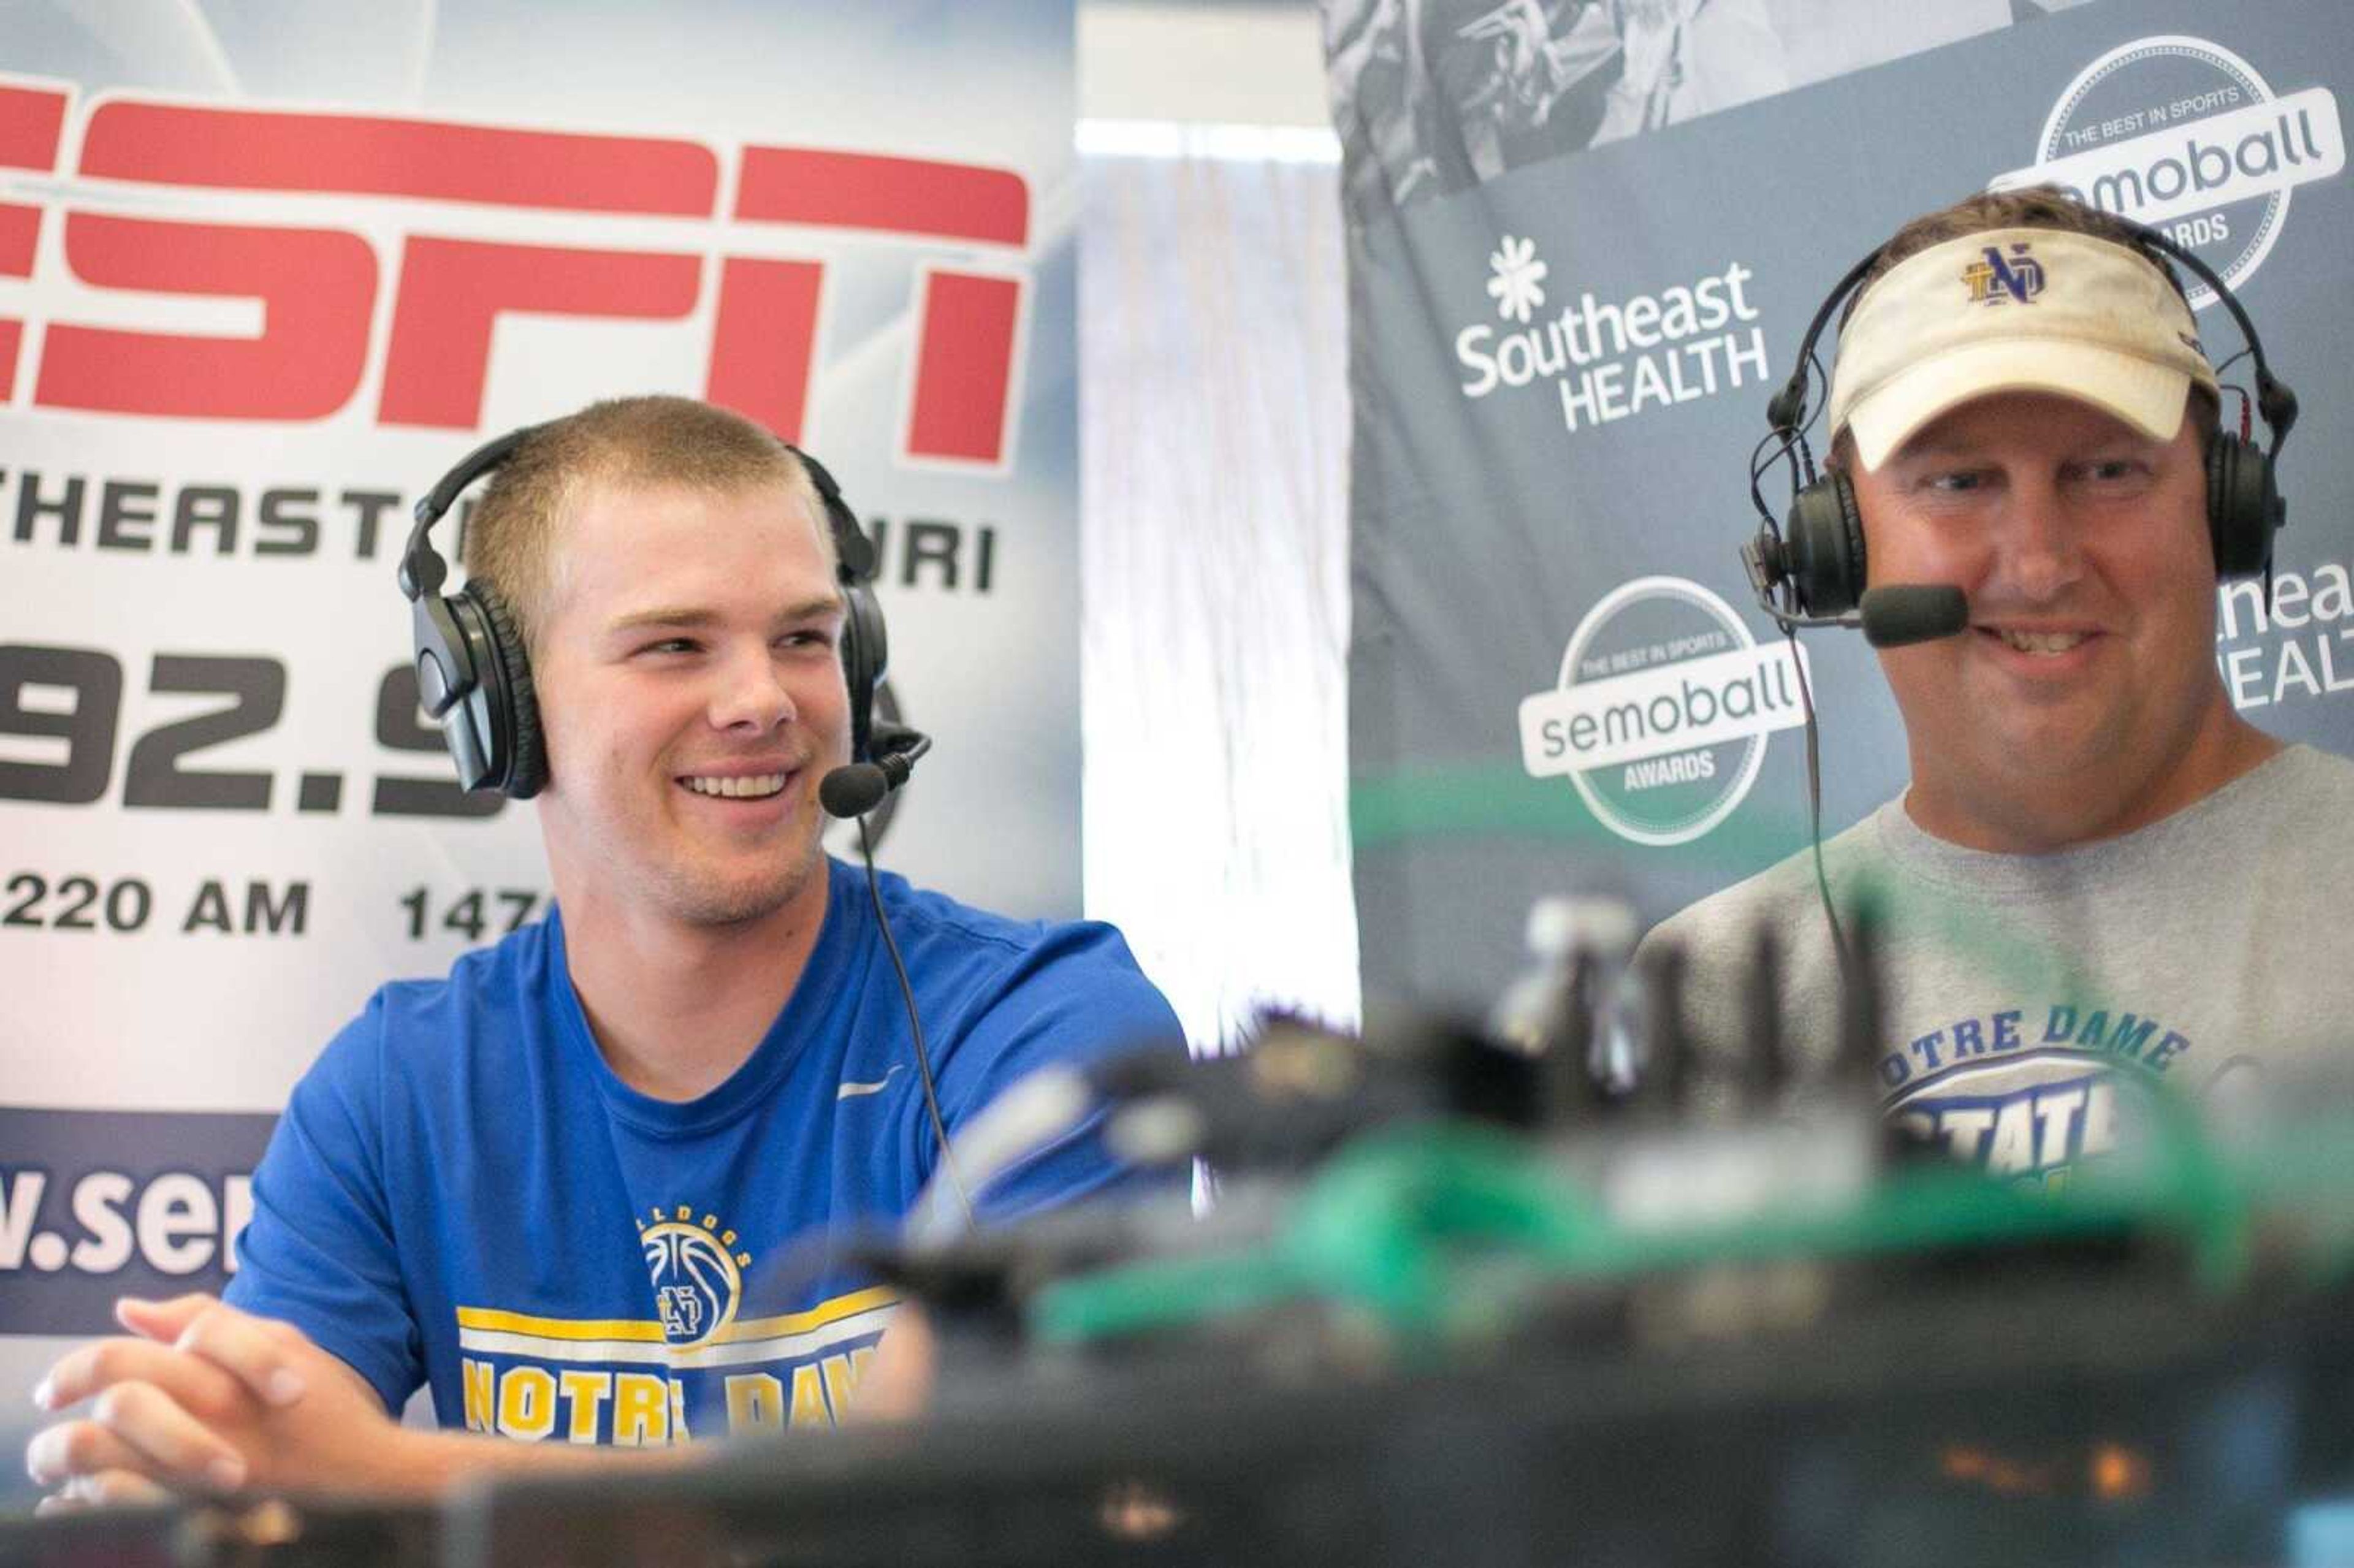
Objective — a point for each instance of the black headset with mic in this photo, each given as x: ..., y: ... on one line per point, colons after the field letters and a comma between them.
x: 473, y: 673
x: 857, y: 787
x: 1815, y: 560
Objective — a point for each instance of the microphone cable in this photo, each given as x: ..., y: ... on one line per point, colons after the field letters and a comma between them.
x: 914, y: 1028
x: 1814, y: 804
x: 1047, y: 1103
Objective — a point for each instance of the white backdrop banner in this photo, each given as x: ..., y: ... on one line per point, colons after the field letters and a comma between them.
x: 263, y: 278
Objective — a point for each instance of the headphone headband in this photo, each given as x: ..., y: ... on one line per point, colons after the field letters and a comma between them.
x: 853, y: 551
x: 2275, y: 401
x: 1788, y: 409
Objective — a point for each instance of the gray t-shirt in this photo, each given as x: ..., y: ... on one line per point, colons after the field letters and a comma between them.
x: 2214, y: 947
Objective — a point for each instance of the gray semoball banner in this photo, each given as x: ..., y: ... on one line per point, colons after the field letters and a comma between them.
x: 1586, y: 242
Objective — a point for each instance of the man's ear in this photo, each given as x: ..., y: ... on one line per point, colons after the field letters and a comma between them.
x: 1841, y: 455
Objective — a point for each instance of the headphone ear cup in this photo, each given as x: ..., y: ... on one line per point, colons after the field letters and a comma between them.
x: 2243, y: 508
x: 518, y: 752
x: 865, y: 656
x: 1825, y: 545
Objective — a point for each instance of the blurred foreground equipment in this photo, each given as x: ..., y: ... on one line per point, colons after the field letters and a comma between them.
x: 1501, y: 1293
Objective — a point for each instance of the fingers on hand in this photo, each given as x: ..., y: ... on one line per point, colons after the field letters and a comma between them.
x: 162, y: 1322
x: 89, y: 1369
x: 59, y: 1453
x: 103, y: 1489
x: 170, y: 1443
x: 252, y: 1350
x: 133, y: 1434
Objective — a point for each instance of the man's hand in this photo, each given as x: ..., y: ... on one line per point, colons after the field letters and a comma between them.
x: 898, y: 1384
x: 202, y: 1397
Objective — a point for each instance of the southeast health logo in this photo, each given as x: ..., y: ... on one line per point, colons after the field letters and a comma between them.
x: 698, y: 1279
x: 1607, y: 359
x: 1663, y: 711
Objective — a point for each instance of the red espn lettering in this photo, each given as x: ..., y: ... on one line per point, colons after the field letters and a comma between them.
x: 964, y: 366
x: 451, y: 290
x: 314, y: 284
x: 764, y: 345
x: 891, y: 196
x: 361, y: 155
x: 30, y: 121
x: 317, y: 287
x: 964, y: 354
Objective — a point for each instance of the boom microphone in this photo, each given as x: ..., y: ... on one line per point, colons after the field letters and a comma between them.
x: 1905, y: 613
x: 1889, y: 617
x: 857, y: 787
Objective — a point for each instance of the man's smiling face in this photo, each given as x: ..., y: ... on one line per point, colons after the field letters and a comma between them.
x: 692, y: 692
x: 2085, y: 691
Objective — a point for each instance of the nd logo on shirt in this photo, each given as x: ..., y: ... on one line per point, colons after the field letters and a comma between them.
x: 635, y: 1380
x: 697, y: 1278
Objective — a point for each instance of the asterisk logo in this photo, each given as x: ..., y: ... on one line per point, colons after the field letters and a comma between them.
x: 1516, y: 286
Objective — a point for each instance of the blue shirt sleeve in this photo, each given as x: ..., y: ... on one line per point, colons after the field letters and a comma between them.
x: 319, y: 1252
x: 1071, y: 1000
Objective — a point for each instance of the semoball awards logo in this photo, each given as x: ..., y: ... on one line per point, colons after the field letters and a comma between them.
x: 2184, y: 136
x: 1663, y: 711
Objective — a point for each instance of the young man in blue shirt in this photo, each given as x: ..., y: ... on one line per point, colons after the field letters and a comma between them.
x: 556, y: 1185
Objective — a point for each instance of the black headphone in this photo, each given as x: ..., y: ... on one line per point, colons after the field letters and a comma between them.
x: 474, y: 674
x: 1817, y: 558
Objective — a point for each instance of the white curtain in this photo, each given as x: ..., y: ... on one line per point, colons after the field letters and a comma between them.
x: 1214, y: 532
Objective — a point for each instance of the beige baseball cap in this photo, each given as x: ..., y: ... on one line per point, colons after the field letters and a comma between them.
x: 2015, y: 309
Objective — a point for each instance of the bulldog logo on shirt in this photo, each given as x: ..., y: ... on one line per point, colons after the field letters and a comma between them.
x: 698, y: 1277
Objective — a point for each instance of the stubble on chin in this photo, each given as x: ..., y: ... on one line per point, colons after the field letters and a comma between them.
x: 711, y: 899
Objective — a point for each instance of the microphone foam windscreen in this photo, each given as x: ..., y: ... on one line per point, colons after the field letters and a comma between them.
x: 853, y: 791
x: 1904, y: 613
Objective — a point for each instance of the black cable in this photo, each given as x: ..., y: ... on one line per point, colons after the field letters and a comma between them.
x: 1761, y: 463
x: 1793, y: 440
x: 915, y: 1027
x: 1815, y: 805
x: 2247, y: 403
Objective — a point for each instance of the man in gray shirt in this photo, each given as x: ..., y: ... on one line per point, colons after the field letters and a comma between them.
x: 2100, y: 874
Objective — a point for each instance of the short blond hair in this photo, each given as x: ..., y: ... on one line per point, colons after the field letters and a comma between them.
x: 512, y: 537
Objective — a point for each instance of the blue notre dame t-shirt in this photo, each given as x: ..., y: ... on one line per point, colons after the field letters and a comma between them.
x: 462, y: 1193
